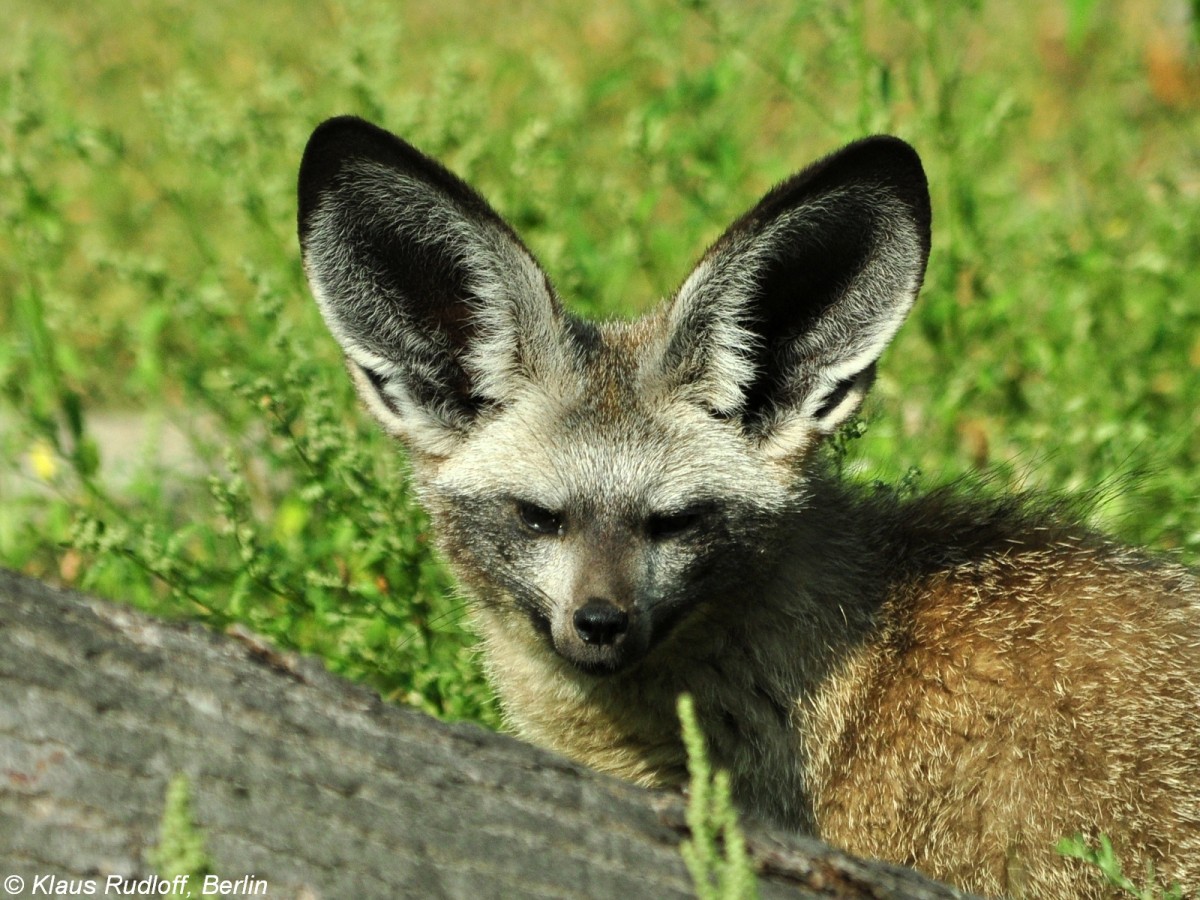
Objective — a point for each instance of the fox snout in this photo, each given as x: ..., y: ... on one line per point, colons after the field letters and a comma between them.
x: 600, y: 626
x: 600, y: 636
x: 600, y: 622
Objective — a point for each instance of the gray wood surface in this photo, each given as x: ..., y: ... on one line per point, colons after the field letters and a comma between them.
x: 314, y: 785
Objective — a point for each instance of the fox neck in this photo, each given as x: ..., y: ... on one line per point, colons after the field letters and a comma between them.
x: 761, y: 662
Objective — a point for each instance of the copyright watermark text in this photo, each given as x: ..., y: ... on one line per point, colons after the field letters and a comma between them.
x: 118, y: 886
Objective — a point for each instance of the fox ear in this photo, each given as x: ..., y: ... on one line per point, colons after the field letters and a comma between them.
x: 782, y: 321
x: 438, y: 306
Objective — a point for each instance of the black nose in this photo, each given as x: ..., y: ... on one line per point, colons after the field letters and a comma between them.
x: 600, y: 622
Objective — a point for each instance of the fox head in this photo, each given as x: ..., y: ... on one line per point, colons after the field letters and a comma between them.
x: 590, y: 483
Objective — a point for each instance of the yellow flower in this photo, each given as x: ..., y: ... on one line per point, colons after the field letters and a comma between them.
x: 43, y: 460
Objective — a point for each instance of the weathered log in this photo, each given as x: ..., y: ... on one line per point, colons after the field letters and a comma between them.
x: 312, y: 787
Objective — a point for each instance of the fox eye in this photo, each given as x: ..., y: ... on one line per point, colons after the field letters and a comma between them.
x: 664, y: 526
x: 538, y: 519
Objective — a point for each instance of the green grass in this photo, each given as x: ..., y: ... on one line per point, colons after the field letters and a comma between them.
x: 148, y: 262
x: 1108, y: 867
x: 715, y: 851
x: 181, y: 845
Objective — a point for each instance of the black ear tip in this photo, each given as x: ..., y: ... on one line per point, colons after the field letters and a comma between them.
x: 886, y: 149
x: 882, y: 161
x: 892, y: 162
x: 330, y: 145
x: 886, y: 144
x: 343, y: 132
x: 893, y: 158
x: 346, y: 139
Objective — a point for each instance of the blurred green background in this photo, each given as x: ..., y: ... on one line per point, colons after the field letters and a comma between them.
x: 175, y: 426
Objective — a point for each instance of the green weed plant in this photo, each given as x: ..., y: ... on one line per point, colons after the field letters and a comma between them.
x: 1103, y: 857
x: 181, y: 844
x: 715, y: 851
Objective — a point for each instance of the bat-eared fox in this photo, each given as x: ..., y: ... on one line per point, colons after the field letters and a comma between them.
x: 638, y: 509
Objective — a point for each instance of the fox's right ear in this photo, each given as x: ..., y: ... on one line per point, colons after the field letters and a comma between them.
x: 438, y: 306
x: 781, y: 323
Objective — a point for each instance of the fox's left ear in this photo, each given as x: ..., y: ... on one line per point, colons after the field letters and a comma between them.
x: 782, y: 321
x: 440, y: 309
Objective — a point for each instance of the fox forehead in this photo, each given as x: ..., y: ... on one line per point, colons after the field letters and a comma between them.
x: 610, y: 439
